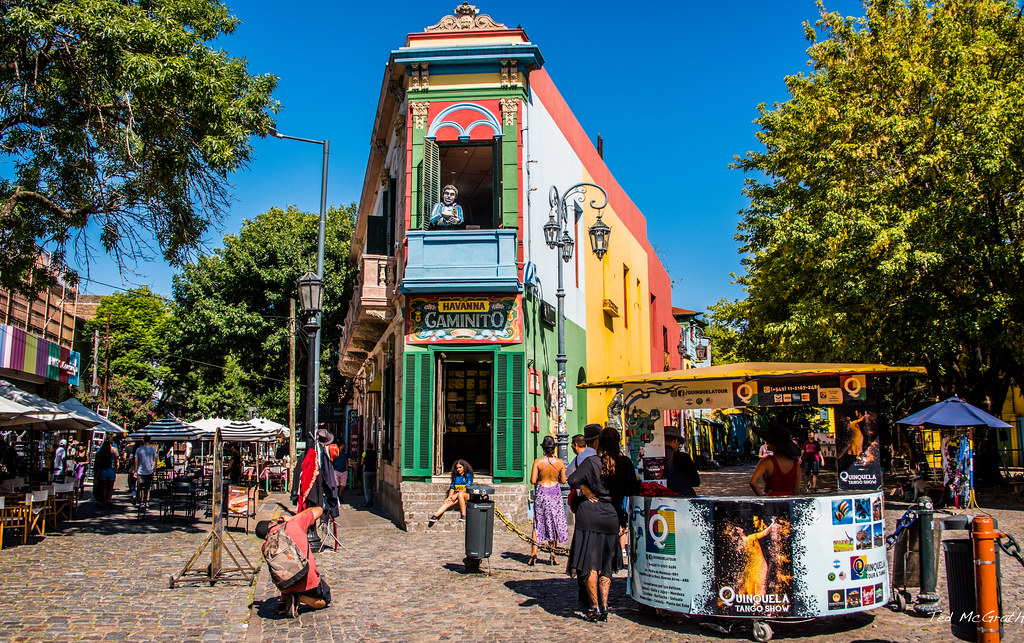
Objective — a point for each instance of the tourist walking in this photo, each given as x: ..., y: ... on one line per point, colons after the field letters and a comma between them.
x: 105, y: 474
x: 369, y: 474
x: 548, y: 507
x: 605, y: 479
x: 145, y: 467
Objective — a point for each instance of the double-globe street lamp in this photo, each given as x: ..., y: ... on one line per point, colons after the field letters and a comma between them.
x: 311, y: 301
x: 556, y: 234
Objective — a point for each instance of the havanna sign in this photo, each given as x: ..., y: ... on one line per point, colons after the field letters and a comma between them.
x: 464, y: 320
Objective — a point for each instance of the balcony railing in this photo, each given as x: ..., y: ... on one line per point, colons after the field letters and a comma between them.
x: 461, y: 261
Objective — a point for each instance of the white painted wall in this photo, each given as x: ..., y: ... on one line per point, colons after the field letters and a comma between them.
x: 550, y: 161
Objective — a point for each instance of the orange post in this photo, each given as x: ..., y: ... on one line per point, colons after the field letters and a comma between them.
x: 986, y: 580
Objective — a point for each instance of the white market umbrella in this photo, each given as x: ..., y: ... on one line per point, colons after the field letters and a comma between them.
x: 209, y: 426
x: 82, y: 412
x: 280, y: 430
x: 43, y: 415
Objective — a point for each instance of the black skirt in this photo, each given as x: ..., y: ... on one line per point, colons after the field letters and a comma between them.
x: 593, y: 551
x: 595, y: 541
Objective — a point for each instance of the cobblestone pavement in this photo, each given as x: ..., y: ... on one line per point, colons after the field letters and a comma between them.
x: 104, y: 577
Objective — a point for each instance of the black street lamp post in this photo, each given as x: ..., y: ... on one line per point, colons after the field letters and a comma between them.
x: 556, y: 235
x: 313, y: 326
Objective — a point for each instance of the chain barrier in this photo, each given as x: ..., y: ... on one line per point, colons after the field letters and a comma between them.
x: 562, y: 551
x: 1011, y: 547
x: 905, y: 521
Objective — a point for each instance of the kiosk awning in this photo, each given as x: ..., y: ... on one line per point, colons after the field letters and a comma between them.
x: 753, y: 370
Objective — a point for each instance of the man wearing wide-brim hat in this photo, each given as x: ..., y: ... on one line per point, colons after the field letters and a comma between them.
x: 681, y: 473
x: 779, y: 471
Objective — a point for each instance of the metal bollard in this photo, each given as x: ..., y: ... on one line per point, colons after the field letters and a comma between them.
x: 928, y: 599
x: 986, y: 579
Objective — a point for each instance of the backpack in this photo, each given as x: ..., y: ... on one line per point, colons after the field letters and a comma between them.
x: 288, y: 564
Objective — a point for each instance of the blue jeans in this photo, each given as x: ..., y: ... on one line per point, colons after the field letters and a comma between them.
x: 369, y: 485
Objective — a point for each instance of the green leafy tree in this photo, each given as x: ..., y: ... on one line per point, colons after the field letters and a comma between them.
x: 229, y: 348
x: 886, y: 207
x: 131, y: 355
x: 120, y: 119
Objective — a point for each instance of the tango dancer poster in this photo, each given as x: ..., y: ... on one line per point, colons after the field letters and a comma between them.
x: 753, y: 559
x: 858, y: 456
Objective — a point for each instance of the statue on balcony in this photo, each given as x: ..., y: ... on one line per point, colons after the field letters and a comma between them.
x: 446, y: 214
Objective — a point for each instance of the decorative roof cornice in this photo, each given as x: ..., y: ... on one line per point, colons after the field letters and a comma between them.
x: 466, y: 18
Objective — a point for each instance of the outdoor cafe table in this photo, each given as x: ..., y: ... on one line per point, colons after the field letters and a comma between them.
x: 249, y: 473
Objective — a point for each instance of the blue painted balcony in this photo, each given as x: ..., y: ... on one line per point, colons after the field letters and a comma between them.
x: 442, y: 261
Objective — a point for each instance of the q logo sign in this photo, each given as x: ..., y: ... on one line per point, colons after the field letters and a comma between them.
x: 744, y: 393
x: 661, y: 531
x: 855, y: 386
x: 858, y: 567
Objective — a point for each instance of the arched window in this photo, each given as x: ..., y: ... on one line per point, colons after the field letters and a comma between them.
x: 462, y: 148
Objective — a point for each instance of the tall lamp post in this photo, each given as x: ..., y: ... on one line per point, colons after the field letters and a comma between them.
x: 556, y: 235
x: 312, y: 328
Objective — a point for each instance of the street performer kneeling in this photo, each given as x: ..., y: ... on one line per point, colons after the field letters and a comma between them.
x: 292, y: 566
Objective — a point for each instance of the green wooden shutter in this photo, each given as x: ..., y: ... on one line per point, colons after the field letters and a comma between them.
x: 430, y: 180
x: 416, y: 406
x: 509, y: 414
x: 497, y: 170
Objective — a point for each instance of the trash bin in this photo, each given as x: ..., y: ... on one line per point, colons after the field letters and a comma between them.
x: 479, y: 525
x: 959, y: 553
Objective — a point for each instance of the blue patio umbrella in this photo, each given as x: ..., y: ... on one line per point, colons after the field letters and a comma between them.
x: 953, y: 412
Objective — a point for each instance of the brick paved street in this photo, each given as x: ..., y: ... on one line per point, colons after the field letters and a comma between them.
x: 104, y: 577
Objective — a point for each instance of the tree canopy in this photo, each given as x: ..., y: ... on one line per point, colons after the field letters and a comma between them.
x: 229, y: 348
x: 133, y: 328
x: 886, y: 206
x: 120, y: 121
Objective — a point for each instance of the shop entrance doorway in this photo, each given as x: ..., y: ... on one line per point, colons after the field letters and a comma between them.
x: 465, y: 403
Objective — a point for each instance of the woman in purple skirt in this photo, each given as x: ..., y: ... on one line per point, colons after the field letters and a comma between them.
x: 548, y: 508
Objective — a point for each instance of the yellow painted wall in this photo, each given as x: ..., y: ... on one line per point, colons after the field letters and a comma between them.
x: 613, y: 349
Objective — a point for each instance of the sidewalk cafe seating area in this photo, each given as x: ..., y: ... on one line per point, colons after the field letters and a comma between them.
x: 27, y: 511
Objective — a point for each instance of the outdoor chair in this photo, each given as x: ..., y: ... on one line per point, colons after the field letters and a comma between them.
x: 13, y: 516
x: 36, y: 504
x: 50, y: 504
x: 241, y: 504
x: 12, y: 485
x: 182, y: 497
x: 277, y: 478
x: 64, y: 499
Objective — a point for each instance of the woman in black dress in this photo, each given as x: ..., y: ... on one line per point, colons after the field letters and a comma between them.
x: 604, y: 480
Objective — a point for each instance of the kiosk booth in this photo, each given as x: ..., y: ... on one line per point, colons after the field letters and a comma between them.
x: 760, y: 558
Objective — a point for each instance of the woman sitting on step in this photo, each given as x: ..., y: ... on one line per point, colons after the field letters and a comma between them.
x: 462, y: 475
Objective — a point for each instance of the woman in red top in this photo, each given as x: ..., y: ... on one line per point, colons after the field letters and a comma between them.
x: 779, y: 471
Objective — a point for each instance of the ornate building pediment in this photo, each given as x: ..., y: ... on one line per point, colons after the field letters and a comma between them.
x: 466, y: 18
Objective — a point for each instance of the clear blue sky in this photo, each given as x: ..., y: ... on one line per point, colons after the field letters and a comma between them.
x: 672, y: 87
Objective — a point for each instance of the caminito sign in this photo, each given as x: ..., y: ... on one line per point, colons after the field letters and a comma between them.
x: 465, y: 320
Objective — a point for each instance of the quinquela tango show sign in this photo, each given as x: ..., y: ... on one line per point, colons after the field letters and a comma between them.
x: 464, y: 320
x: 768, y: 558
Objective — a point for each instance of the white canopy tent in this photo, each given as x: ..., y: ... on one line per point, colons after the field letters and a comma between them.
x: 280, y: 430
x: 82, y: 412
x: 43, y: 415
